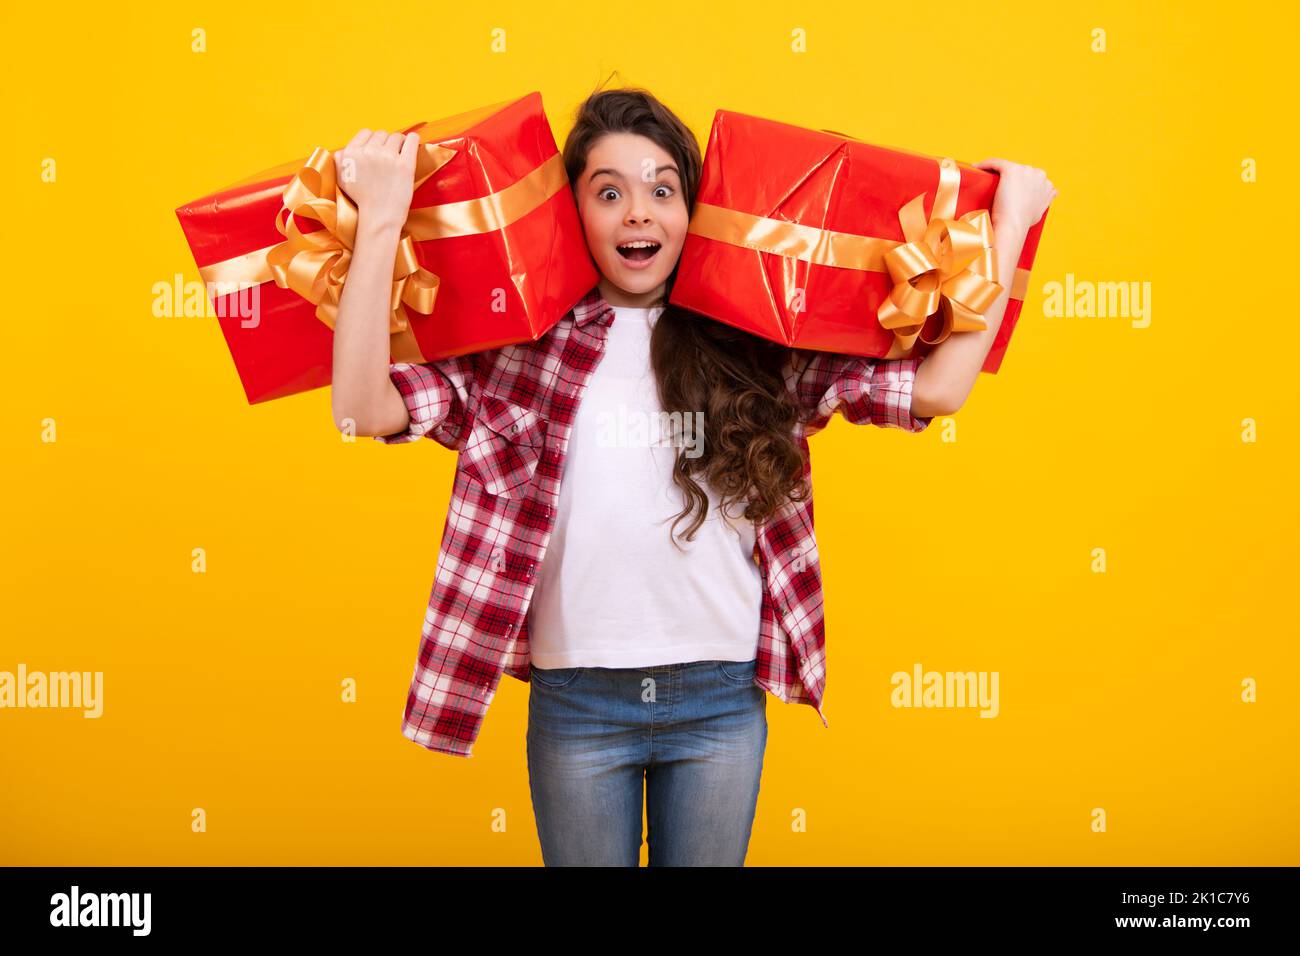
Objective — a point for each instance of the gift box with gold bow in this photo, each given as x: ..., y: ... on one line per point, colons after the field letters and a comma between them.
x: 492, y: 252
x: 825, y: 242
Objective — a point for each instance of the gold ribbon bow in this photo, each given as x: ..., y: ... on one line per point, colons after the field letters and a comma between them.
x: 315, y: 264
x: 946, y: 267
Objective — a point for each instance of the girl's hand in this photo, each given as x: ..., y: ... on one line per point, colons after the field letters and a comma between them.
x: 377, y: 171
x: 1023, y: 195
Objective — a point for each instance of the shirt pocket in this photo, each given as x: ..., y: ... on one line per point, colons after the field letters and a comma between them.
x: 505, y: 444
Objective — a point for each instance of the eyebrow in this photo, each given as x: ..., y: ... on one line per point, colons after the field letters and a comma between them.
x: 617, y: 175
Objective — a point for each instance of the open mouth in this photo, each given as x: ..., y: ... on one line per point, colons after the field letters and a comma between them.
x: 641, y: 251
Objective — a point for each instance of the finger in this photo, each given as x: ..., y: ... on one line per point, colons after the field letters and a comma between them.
x: 361, y: 137
x: 343, y: 158
x: 393, y: 143
x: 410, y: 146
x: 377, y: 138
x: 992, y: 164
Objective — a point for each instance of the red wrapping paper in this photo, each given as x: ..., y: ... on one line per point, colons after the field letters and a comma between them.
x: 495, y: 288
x: 831, y: 182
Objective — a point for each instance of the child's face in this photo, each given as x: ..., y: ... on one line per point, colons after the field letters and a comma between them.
x: 631, y: 189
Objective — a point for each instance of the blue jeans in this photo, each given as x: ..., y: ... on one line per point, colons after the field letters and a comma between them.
x: 693, y: 733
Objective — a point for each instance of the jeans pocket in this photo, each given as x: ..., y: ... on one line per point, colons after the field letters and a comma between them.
x: 554, y: 676
x: 738, y: 672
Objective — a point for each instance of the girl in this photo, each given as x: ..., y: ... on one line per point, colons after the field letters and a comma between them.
x: 649, y: 652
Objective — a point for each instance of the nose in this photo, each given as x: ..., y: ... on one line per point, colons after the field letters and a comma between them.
x: 636, y: 213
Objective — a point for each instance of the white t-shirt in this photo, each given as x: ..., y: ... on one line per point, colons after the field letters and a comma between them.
x: 612, y: 589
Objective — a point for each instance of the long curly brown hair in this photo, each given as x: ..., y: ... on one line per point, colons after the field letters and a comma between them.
x: 735, y: 379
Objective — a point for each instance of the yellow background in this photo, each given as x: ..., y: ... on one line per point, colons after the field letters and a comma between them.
x: 1119, y: 691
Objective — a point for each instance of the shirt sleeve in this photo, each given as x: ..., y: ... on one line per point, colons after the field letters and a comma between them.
x: 863, y: 390
x: 437, y: 397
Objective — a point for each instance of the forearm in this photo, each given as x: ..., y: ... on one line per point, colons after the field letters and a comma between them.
x: 361, y: 385
x: 949, y: 372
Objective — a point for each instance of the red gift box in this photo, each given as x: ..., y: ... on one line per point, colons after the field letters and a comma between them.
x: 833, y: 244
x: 492, y: 252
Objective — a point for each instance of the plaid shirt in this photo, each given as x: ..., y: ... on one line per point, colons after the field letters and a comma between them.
x: 509, y: 412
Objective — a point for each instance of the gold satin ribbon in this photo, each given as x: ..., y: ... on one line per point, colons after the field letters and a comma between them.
x: 945, y: 265
x: 315, y: 264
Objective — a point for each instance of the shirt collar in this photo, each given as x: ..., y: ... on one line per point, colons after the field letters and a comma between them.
x: 592, y: 306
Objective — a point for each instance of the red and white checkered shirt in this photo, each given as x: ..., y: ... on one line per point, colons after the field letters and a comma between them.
x: 509, y: 412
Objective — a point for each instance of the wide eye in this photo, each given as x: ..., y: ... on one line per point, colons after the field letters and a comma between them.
x: 607, y: 189
x: 669, y: 190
